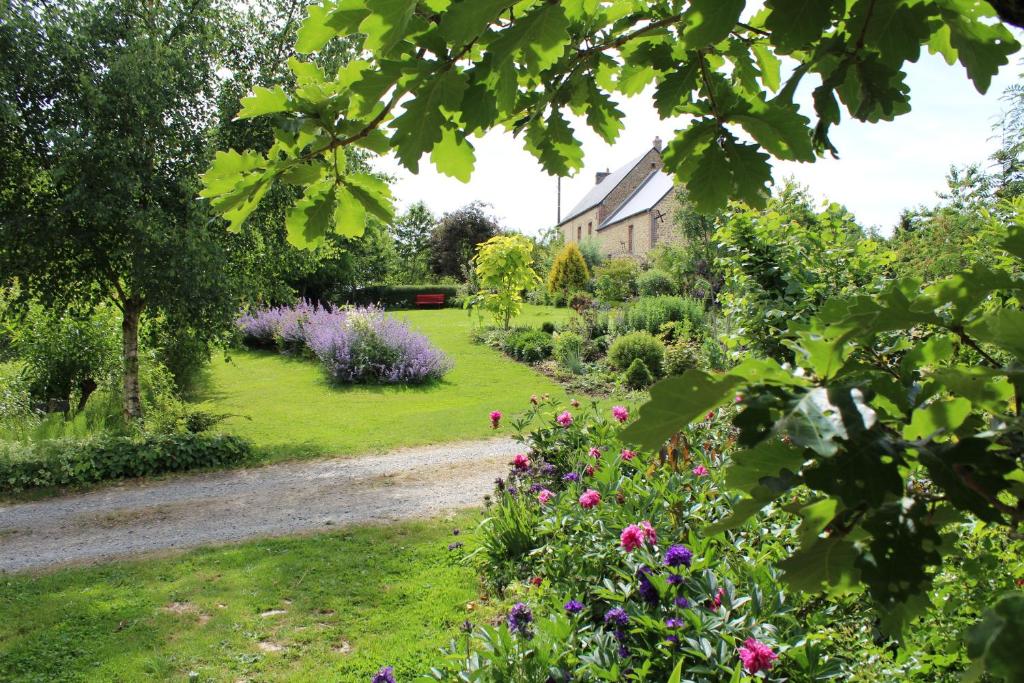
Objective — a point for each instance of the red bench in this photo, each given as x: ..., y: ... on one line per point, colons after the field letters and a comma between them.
x: 430, y: 299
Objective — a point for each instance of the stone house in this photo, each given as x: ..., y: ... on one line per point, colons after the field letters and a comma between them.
x: 628, y: 211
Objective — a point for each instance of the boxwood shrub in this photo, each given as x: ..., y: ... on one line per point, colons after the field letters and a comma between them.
x: 649, y: 313
x: 637, y: 346
x: 529, y: 345
x: 69, y: 462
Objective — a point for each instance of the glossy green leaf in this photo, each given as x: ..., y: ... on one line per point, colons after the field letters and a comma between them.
x: 453, y: 156
x: 940, y: 417
x: 828, y: 564
x: 386, y: 24
x: 312, y: 216
x: 466, y: 20
x: 263, y: 101
x: 795, y: 23
x: 706, y: 22
x: 418, y: 129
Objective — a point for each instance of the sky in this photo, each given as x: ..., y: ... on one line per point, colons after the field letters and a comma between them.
x: 883, y: 168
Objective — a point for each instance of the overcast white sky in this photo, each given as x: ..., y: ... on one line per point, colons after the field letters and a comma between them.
x: 882, y: 169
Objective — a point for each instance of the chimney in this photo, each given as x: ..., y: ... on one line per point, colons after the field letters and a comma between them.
x: 657, y: 143
x: 601, y: 175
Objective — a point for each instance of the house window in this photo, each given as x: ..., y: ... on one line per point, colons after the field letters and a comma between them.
x: 590, y: 229
x: 579, y: 232
x: 630, y: 243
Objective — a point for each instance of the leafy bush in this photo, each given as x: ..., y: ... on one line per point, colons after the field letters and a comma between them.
x: 547, y: 326
x: 569, y: 351
x: 67, y: 354
x: 581, y: 302
x: 9, y: 295
x: 650, y: 313
x: 569, y: 272
x: 529, y: 345
x: 616, y: 279
x: 69, y: 462
x: 504, y: 268
x: 655, y: 282
x: 634, y: 346
x: 356, y: 345
x: 591, y: 250
x: 637, y: 376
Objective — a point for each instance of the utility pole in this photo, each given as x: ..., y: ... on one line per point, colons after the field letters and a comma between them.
x: 559, y: 200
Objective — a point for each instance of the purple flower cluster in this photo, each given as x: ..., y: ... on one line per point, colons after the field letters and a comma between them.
x: 354, y: 344
x: 519, y: 619
x: 678, y: 556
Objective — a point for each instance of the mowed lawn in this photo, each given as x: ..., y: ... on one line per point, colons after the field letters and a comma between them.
x: 288, y: 409
x: 333, y: 607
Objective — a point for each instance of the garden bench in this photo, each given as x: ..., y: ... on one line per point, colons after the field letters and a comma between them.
x: 430, y: 299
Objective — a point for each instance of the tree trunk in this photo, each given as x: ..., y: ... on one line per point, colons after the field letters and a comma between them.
x: 132, y: 406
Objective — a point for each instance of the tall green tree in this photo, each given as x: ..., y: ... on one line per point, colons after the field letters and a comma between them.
x: 107, y: 107
x: 412, y: 231
x: 454, y: 241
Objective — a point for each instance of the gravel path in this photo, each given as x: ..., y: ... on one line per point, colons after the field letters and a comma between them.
x: 222, y: 507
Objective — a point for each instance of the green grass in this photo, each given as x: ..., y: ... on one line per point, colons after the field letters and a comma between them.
x: 286, y: 407
x: 352, y: 601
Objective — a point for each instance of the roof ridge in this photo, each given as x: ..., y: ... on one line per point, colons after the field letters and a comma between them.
x: 592, y: 198
x: 614, y: 217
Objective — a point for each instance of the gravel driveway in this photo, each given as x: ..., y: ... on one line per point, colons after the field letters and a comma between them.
x: 223, y: 507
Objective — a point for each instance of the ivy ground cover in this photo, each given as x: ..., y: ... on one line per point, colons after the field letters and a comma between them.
x: 327, y: 608
x: 287, y: 407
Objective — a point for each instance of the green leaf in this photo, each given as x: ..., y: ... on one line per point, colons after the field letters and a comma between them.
x: 227, y: 170
x: 314, y: 32
x: 940, y: 417
x: 770, y: 65
x: 1004, y: 328
x: 712, y: 182
x: 418, y: 129
x: 815, y: 422
x: 751, y: 173
x: 540, y: 37
x: 466, y: 20
x: 675, y: 88
x: 762, y: 465
x: 706, y: 22
x: 779, y: 128
x: 827, y: 564
x: 386, y: 25
x: 677, y: 672
x: 1014, y: 242
x: 263, y: 101
x: 965, y: 469
x: 982, y: 45
x: 349, y: 213
x: 996, y: 640
x: 453, y: 155
x: 986, y: 388
x: 305, y: 72
x: 634, y: 78
x: 312, y: 216
x: 796, y: 23
x: 602, y: 114
x: 373, y: 193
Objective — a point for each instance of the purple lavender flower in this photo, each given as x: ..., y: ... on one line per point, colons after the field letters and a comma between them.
x: 386, y: 674
x: 647, y: 590
x: 519, y: 619
x: 678, y: 556
x: 672, y: 639
x: 682, y: 603
x: 674, y: 623
x: 574, y: 607
x: 674, y: 579
x: 547, y: 469
x: 616, y: 616
x: 536, y: 488
x: 571, y: 476
x: 623, y: 651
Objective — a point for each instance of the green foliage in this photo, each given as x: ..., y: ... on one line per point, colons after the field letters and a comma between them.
x: 655, y: 282
x: 399, y: 296
x: 454, y: 241
x: 637, y: 376
x: 782, y: 264
x: 569, y: 350
x: 68, y: 354
x: 74, y: 462
x: 637, y: 346
x: 528, y: 345
x: 900, y: 419
x: 9, y: 296
x: 652, y: 313
x: 569, y: 273
x: 616, y: 279
x: 412, y: 231
x: 504, y: 269
x: 434, y: 73
x: 591, y: 250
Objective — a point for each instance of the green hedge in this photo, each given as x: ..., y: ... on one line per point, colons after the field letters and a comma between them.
x: 67, y: 462
x: 402, y: 296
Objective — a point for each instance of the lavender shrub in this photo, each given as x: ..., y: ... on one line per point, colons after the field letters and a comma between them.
x: 355, y: 345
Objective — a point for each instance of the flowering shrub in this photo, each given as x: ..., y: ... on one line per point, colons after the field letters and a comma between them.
x: 355, y: 345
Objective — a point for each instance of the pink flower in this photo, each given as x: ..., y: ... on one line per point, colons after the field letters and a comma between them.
x: 631, y: 538
x: 739, y: 398
x: 495, y: 418
x: 521, y: 462
x: 564, y: 419
x: 716, y: 601
x: 628, y: 454
x: 536, y: 580
x: 650, y: 535
x: 620, y: 413
x: 756, y: 656
x: 588, y: 470
x: 700, y: 471
x: 710, y: 415
x: 590, y: 498
x: 544, y: 496
x: 595, y: 452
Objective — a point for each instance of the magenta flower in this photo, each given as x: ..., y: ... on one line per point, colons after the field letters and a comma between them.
x: 631, y: 538
x: 544, y: 496
x: 588, y: 470
x: 590, y: 498
x: 739, y: 398
x: 495, y: 418
x: 564, y: 419
x: 756, y: 656
x: 521, y: 462
x: 650, y: 535
x: 716, y: 601
x: 620, y: 413
x: 700, y: 471
x: 628, y: 454
x: 595, y: 452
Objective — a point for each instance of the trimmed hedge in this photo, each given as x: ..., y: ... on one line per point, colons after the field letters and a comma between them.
x: 68, y: 462
x: 402, y: 296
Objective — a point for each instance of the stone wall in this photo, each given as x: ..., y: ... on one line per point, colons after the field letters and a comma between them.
x: 583, y: 225
x: 650, y: 162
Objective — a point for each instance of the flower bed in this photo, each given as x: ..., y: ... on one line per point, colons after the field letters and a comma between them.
x: 355, y: 345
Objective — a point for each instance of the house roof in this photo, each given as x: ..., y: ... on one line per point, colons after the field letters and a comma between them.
x: 602, y: 189
x: 651, y: 191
